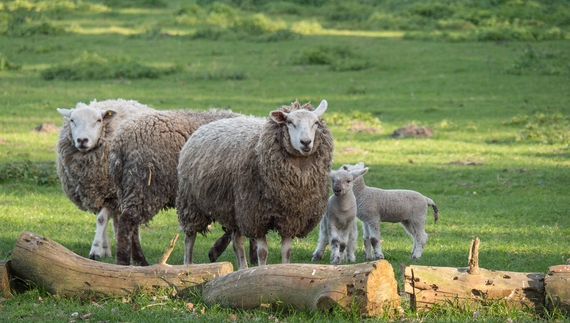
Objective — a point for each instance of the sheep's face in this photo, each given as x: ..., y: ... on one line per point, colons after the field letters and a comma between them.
x: 342, y: 180
x: 301, y: 126
x: 86, y: 125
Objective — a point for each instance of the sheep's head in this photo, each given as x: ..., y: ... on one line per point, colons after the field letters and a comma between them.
x: 301, y: 126
x: 342, y: 180
x: 86, y: 125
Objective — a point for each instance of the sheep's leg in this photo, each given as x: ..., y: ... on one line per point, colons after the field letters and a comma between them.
x: 286, y: 247
x: 220, y: 245
x: 239, y: 250
x: 101, y: 246
x: 136, y: 248
x: 351, y: 244
x: 419, y: 237
x: 375, y: 241
x: 125, y: 238
x: 262, y: 250
x: 189, y: 241
x: 367, y: 246
x: 319, y: 252
x: 252, y: 251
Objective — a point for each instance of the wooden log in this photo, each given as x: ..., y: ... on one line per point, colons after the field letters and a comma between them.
x: 5, y: 290
x: 60, y: 271
x: 557, y: 287
x: 371, y: 287
x: 440, y: 285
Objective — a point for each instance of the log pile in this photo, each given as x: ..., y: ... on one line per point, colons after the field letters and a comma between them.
x: 371, y: 288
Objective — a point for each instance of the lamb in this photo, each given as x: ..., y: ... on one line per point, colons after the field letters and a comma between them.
x: 376, y: 205
x: 142, y: 164
x: 82, y: 161
x: 338, y: 225
x: 255, y: 174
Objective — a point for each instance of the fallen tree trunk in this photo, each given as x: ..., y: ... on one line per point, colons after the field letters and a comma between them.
x: 440, y: 285
x: 557, y: 287
x: 60, y: 271
x: 371, y: 287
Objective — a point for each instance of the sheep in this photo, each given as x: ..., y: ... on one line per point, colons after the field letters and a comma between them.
x: 256, y: 174
x: 338, y: 225
x: 82, y: 155
x: 376, y: 205
x: 142, y: 164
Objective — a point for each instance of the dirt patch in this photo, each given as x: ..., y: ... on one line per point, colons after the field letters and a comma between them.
x: 46, y: 128
x: 412, y: 130
x: 353, y: 150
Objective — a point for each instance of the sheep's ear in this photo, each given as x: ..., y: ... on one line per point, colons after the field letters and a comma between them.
x: 278, y: 116
x: 360, y: 164
x: 321, y: 108
x: 65, y: 112
x: 109, y: 114
x: 359, y: 172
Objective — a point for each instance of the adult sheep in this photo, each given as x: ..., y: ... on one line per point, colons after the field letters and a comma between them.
x: 253, y: 175
x: 143, y: 160
x: 82, y: 157
x: 375, y: 205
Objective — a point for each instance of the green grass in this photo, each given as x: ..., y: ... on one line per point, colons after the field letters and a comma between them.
x: 497, y: 166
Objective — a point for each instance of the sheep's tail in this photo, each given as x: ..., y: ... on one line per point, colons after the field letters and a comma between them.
x: 431, y: 203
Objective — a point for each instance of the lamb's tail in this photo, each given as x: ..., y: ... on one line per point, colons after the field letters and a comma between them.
x: 435, y: 210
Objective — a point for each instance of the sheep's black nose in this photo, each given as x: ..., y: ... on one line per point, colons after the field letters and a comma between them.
x: 82, y: 141
x: 306, y: 143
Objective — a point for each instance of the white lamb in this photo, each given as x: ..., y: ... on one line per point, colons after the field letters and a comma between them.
x: 377, y: 205
x: 338, y: 225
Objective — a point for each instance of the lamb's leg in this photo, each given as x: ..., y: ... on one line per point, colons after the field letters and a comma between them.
x: 351, y: 244
x: 375, y: 240
x: 319, y: 252
x: 239, y: 250
x: 101, y: 246
x: 286, y: 247
x: 337, y: 245
x: 137, y: 252
x: 417, y: 232
x: 125, y: 238
x: 262, y: 250
x: 367, y: 246
x: 189, y: 241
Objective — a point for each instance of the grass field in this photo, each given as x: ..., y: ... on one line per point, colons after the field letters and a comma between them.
x: 497, y: 165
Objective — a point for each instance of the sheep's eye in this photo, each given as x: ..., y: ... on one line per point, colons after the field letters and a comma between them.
x: 72, y: 121
x: 290, y: 123
x: 98, y: 120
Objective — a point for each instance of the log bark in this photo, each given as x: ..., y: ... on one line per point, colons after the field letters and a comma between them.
x: 557, y: 287
x: 5, y: 289
x: 370, y: 287
x: 60, y: 271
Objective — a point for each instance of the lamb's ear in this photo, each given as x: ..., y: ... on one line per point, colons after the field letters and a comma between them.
x: 65, y: 112
x: 331, y: 174
x: 360, y: 165
x: 321, y: 108
x: 278, y: 116
x: 359, y: 172
x: 109, y: 114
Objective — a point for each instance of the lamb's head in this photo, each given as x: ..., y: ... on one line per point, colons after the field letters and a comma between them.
x: 86, y: 125
x: 343, y: 179
x: 302, y: 125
